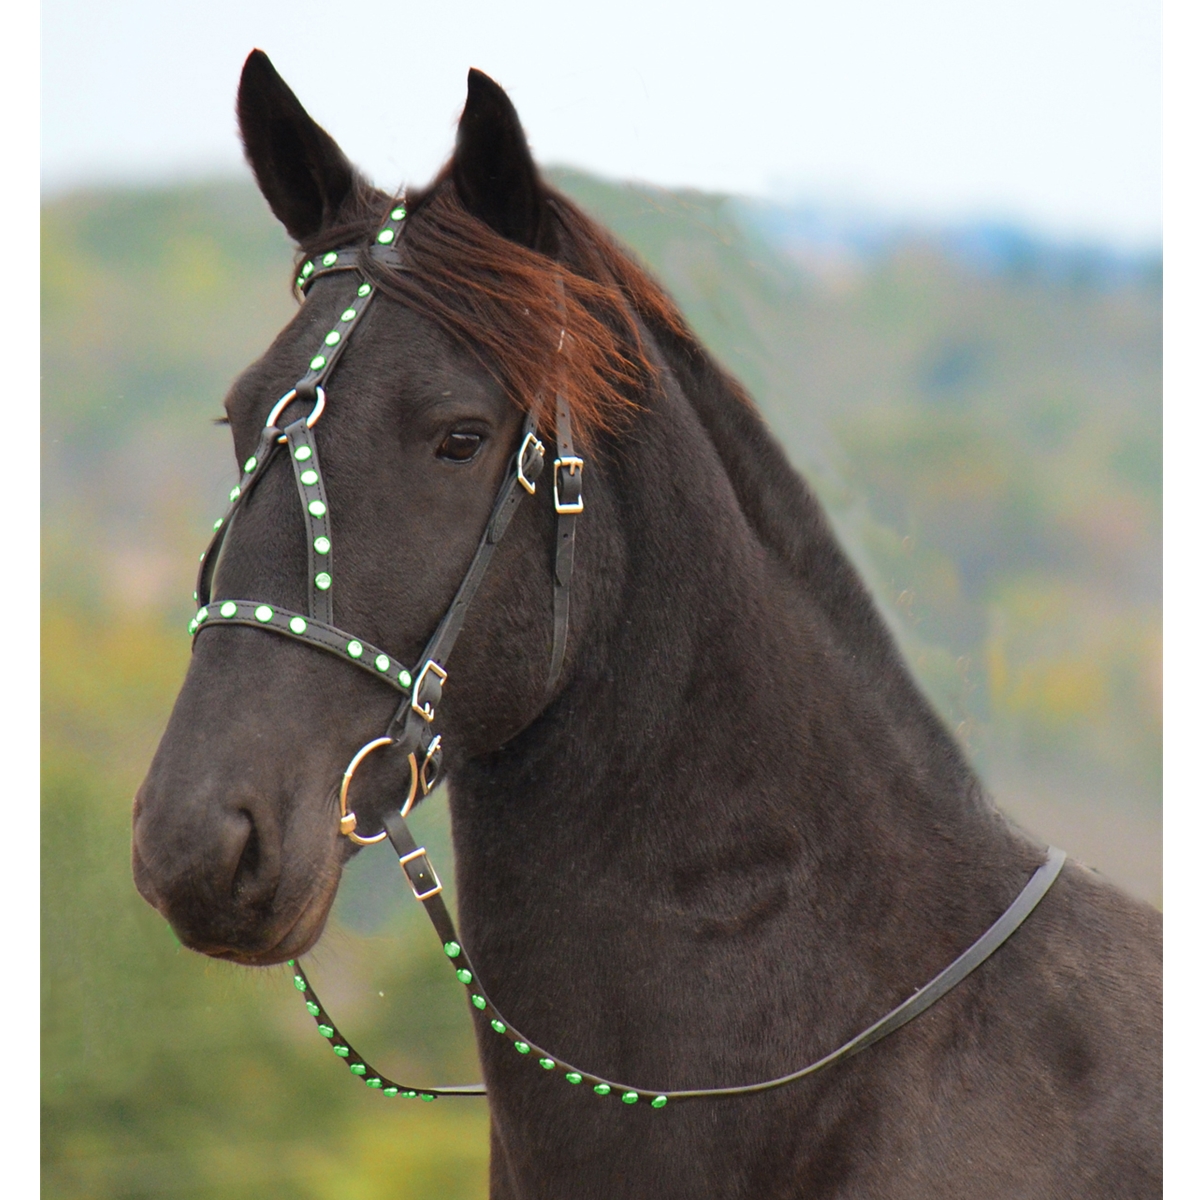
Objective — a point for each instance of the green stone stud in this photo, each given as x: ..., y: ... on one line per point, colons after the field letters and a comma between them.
x: 573, y: 1077
x: 357, y: 1069
x: 464, y: 976
x: 234, y: 494
x: 332, y: 338
x: 192, y: 626
x: 299, y: 280
x: 308, y: 478
x: 452, y: 949
x: 218, y: 523
x: 303, y: 453
x: 399, y: 213
x: 391, y: 1091
x: 321, y: 545
x: 375, y: 1082
x: 317, y: 508
x: 350, y: 314
x: 364, y: 289
x: 627, y: 1098
x: 301, y: 986
x: 297, y: 624
x: 404, y: 679
x: 354, y: 649
x: 521, y: 1047
x: 263, y: 613
x: 324, y: 581
x: 249, y: 465
x: 329, y: 259
x: 499, y: 1027
x: 201, y: 616
x: 229, y: 609
x: 325, y: 1030
x: 409, y: 1095
x: 478, y: 1001
x: 602, y: 1089
x: 306, y: 270
x: 317, y: 363
x: 547, y: 1064
x: 386, y: 237
x: 382, y: 662
x: 659, y: 1102
x: 313, y: 1009
x: 427, y: 1097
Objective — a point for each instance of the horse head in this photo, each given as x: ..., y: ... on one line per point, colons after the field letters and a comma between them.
x: 478, y: 320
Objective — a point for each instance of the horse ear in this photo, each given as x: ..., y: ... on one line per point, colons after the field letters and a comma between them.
x: 492, y: 168
x: 301, y: 172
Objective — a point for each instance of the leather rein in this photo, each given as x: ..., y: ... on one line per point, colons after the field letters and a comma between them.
x: 410, y: 731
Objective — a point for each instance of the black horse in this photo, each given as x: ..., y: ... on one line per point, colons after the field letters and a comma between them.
x: 729, y: 837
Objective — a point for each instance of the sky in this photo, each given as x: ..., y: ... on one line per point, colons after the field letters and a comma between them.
x: 1047, y: 112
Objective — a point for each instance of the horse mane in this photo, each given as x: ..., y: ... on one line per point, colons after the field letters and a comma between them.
x: 502, y: 302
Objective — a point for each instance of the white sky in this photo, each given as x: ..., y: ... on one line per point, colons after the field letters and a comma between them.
x: 1047, y: 111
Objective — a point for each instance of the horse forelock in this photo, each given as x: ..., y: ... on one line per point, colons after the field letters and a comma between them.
x: 570, y: 319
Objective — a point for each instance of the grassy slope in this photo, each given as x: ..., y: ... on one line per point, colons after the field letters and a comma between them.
x: 987, y: 446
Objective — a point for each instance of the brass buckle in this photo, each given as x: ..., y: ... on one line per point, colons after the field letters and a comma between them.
x: 425, y: 765
x: 425, y: 710
x: 572, y: 464
x: 437, y: 883
x: 348, y: 822
x: 530, y: 485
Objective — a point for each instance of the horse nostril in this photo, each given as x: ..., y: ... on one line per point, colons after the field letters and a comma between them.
x: 245, y: 877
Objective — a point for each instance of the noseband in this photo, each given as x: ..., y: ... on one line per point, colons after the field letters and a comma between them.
x: 410, y: 731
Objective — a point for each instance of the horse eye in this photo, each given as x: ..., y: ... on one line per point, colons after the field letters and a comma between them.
x: 460, y: 447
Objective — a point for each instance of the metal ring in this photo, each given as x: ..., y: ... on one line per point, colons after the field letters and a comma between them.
x: 349, y: 822
x: 284, y: 401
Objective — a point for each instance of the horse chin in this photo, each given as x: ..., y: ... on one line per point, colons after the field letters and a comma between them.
x: 277, y: 942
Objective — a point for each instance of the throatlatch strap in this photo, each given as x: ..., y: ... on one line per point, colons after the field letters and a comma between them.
x: 568, y: 503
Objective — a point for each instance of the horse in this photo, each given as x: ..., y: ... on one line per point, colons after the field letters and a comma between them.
x: 705, y: 825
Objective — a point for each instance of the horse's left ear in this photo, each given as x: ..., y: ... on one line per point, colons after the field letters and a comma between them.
x: 492, y: 168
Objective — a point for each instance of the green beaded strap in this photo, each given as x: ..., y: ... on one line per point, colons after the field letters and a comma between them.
x: 304, y: 629
x: 355, y: 1061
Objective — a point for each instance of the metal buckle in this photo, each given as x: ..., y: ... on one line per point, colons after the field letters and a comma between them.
x: 437, y: 883
x: 572, y: 464
x: 530, y: 485
x: 284, y: 401
x: 426, y: 764
x: 425, y: 710
x: 348, y: 822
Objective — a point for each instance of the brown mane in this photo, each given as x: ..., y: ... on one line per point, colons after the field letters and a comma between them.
x: 502, y: 300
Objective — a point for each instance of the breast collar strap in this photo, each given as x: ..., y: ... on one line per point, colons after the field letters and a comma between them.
x: 410, y: 731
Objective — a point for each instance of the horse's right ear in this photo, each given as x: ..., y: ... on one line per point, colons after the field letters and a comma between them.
x: 301, y: 172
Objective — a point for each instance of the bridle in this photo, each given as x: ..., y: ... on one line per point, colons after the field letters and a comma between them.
x: 410, y: 731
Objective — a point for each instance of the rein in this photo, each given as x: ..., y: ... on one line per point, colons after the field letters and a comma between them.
x: 410, y: 731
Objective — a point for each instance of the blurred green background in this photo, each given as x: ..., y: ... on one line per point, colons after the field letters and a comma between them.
x: 981, y: 415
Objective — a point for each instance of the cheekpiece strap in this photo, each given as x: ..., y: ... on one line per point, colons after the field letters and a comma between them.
x: 315, y: 507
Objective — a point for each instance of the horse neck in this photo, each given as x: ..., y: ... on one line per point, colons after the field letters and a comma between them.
x: 739, y: 740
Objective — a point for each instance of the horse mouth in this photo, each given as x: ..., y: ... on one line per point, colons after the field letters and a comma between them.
x: 297, y: 937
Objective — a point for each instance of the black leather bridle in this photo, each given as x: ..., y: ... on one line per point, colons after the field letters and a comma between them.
x: 410, y: 731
